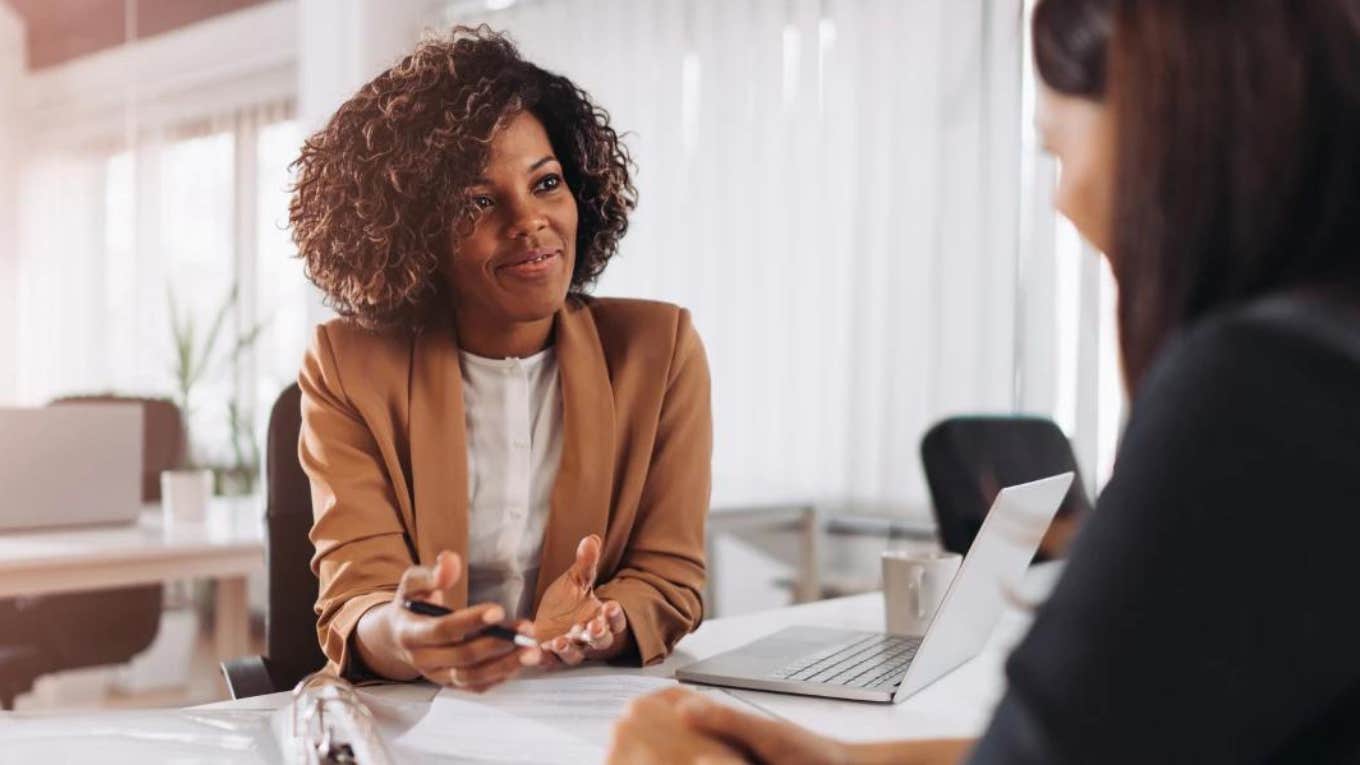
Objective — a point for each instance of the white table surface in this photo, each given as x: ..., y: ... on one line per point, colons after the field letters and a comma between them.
x: 227, y: 546
x: 958, y: 704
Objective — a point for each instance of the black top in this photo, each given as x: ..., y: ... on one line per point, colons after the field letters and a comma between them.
x: 1210, y: 608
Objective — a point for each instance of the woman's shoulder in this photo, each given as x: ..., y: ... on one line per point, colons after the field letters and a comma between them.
x: 1298, y: 339
x: 355, y: 351
x: 636, y: 313
x: 347, y: 335
x: 1265, y: 376
x: 632, y: 322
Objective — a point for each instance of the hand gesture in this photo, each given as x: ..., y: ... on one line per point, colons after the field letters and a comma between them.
x: 448, y: 650
x: 574, y: 625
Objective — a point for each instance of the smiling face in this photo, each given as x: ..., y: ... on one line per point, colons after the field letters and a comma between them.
x: 514, y: 267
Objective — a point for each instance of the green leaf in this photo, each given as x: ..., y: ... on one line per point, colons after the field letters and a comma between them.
x: 182, y: 333
x: 210, y: 342
x: 247, y: 339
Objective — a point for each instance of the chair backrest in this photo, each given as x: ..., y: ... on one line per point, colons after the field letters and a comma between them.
x: 164, y: 443
x: 968, y: 460
x: 290, y: 628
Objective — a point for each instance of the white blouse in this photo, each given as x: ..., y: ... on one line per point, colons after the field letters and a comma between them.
x: 514, y: 446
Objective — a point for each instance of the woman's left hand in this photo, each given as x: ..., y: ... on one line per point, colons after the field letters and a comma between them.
x: 574, y: 625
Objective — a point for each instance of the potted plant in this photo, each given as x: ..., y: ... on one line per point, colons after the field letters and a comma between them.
x: 185, y: 490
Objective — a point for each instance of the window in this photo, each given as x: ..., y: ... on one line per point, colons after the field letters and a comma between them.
x: 282, y: 293
x: 119, y: 245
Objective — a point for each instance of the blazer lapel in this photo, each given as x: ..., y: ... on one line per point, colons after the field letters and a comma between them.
x: 585, y: 476
x: 439, y: 466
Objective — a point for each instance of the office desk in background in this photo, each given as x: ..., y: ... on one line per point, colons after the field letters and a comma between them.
x: 227, y: 547
x: 959, y: 704
x: 742, y: 505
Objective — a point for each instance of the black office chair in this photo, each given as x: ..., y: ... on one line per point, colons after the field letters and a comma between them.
x: 291, y: 648
x: 968, y: 460
x: 49, y: 633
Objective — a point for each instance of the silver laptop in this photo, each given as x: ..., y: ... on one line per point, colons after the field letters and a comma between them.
x: 70, y: 465
x: 874, y: 666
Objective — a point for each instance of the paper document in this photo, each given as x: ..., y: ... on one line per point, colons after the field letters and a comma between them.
x: 564, y: 717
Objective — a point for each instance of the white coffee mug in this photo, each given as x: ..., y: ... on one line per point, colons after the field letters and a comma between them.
x: 914, y: 585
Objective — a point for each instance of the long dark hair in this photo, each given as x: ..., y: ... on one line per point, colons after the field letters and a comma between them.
x: 1071, y: 45
x: 1237, y: 159
x: 1238, y: 150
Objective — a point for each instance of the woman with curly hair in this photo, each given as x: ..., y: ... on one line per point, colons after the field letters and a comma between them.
x: 478, y: 432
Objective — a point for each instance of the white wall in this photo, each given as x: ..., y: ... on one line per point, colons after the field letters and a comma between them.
x: 11, y: 69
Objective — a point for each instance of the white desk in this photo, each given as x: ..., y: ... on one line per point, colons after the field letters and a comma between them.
x: 238, y: 731
x: 959, y: 704
x: 227, y: 547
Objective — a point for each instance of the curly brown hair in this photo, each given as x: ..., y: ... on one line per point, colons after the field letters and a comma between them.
x: 381, y: 190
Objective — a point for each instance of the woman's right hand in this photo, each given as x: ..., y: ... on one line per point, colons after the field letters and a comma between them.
x: 445, y: 650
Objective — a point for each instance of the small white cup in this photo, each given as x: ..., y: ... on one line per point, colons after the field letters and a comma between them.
x: 184, y: 495
x: 914, y: 585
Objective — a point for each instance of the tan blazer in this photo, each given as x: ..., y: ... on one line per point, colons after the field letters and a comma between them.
x: 384, y: 444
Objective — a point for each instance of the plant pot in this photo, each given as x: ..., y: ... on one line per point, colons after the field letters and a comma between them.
x: 184, y: 495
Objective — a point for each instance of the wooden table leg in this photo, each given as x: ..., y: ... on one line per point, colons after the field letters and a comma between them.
x: 809, y: 564
x: 232, y: 620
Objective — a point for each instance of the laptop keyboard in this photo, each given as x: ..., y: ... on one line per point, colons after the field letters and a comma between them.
x: 872, y: 661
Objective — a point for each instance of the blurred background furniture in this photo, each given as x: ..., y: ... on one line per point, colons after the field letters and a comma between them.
x: 291, y: 647
x: 164, y: 442
x: 741, y: 506
x: 37, y: 564
x: 40, y: 635
x: 968, y: 460
x: 16, y: 665
x: 825, y: 543
x: 227, y: 549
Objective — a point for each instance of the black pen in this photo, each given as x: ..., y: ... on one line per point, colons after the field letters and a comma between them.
x: 494, y: 630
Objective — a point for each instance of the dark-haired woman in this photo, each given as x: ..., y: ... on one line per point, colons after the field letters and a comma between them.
x: 1206, y: 610
x: 478, y: 432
